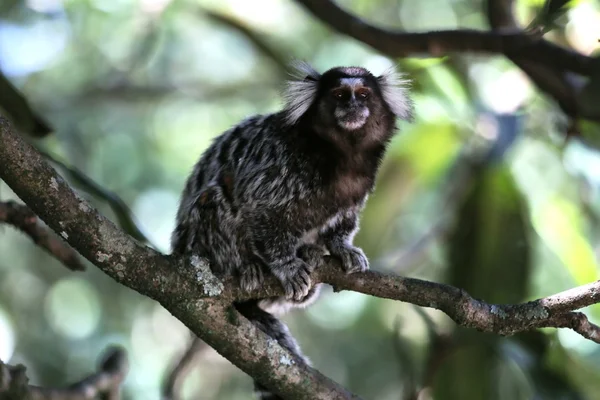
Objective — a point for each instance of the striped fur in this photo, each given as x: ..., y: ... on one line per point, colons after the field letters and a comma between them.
x: 275, y: 193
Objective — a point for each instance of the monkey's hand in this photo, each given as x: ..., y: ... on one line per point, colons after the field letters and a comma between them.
x: 295, y: 278
x: 280, y: 249
x: 353, y: 259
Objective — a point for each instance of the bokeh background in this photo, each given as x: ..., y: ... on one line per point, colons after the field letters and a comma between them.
x: 482, y: 191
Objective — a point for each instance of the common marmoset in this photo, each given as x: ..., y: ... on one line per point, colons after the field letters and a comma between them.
x: 277, y: 192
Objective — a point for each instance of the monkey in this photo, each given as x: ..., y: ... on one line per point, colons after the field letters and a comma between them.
x: 277, y: 192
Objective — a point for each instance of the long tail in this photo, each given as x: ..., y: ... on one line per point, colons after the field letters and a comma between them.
x: 277, y: 330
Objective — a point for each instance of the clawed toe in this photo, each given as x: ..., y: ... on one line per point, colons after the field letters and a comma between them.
x: 295, y: 278
x: 353, y: 259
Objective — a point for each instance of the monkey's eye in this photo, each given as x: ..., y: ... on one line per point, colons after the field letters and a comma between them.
x: 363, y: 93
x: 339, y: 94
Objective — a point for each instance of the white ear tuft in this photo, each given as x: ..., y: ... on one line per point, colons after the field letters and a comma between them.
x: 301, y: 91
x: 302, y: 69
x: 394, y: 88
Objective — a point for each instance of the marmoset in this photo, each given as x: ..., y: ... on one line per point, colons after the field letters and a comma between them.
x: 277, y: 192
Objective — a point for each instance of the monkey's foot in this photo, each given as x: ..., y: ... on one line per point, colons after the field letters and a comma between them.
x: 295, y: 279
x: 251, y: 277
x: 353, y: 259
x: 312, y: 254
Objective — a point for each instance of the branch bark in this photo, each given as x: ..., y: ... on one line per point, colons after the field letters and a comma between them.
x: 188, y: 289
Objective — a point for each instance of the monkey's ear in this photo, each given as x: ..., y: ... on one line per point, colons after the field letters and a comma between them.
x: 300, y: 91
x: 394, y: 88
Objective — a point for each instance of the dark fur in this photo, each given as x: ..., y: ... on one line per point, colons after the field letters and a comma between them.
x: 275, y: 193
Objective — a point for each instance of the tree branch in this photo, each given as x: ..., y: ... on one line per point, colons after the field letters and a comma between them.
x: 185, y: 287
x: 22, y: 218
x: 548, y: 77
x: 188, y: 289
x: 401, y: 44
x: 20, y: 111
x: 544, y: 62
x: 106, y: 381
x: 260, y: 43
x: 120, y: 209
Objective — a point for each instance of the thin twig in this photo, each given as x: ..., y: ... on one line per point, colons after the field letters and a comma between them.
x: 20, y: 111
x: 106, y: 381
x: 174, y: 381
x: 22, y: 218
x: 118, y: 206
x: 259, y: 42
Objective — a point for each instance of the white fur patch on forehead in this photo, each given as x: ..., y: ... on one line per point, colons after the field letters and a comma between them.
x: 394, y: 88
x: 352, y: 82
x: 301, y: 91
x: 354, y: 71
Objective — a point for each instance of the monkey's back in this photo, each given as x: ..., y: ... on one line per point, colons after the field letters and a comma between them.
x: 226, y: 180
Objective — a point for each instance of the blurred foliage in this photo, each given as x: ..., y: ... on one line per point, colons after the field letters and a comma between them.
x: 491, y: 224
x: 481, y: 191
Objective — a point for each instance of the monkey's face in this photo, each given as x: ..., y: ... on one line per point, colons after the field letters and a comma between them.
x: 347, y: 100
x: 349, y: 97
x: 351, y: 103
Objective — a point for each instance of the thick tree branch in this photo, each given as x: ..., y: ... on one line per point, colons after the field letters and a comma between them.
x: 186, y: 288
x: 195, y: 296
x: 106, y: 381
x: 436, y: 43
x: 22, y: 218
